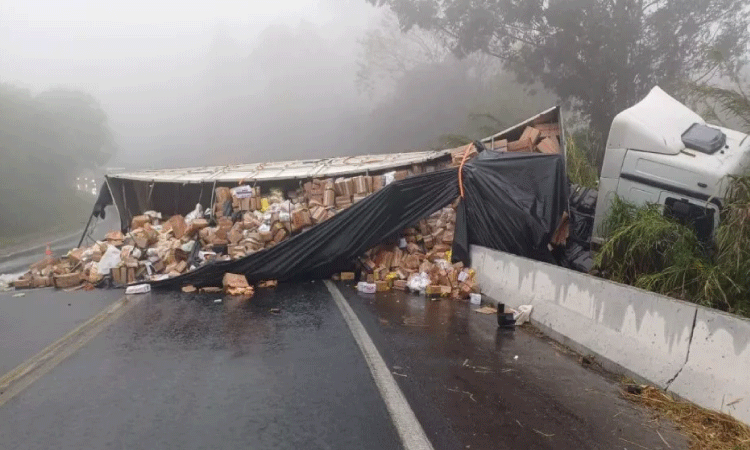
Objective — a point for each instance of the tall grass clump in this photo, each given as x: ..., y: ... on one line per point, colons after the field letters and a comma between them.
x: 581, y: 170
x: 654, y: 252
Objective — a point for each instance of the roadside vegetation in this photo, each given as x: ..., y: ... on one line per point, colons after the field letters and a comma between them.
x: 654, y: 252
x: 708, y: 430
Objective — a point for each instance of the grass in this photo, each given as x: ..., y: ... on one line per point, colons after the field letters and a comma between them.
x: 708, y: 430
x: 580, y: 169
x: 653, y: 252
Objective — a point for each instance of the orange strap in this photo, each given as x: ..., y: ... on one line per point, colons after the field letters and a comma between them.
x: 461, y: 169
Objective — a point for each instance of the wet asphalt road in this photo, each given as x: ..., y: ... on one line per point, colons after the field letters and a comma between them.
x: 30, y: 323
x: 180, y: 371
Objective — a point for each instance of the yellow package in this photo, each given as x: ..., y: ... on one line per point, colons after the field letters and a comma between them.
x: 264, y: 204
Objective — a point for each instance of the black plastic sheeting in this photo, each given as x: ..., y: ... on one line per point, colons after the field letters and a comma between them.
x: 513, y: 203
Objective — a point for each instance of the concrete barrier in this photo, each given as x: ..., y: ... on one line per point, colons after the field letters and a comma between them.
x: 697, y: 353
x: 717, y: 373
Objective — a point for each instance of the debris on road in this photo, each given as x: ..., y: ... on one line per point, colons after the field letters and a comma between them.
x: 235, y: 284
x: 138, y: 289
x: 268, y: 284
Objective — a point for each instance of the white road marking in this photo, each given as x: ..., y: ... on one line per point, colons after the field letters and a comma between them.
x: 408, y: 427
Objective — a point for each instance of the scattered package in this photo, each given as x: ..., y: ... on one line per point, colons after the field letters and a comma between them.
x: 419, y: 261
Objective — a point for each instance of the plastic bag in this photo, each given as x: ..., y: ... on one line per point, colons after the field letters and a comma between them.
x: 110, y: 259
x: 389, y: 177
x: 194, y: 214
x: 418, y: 282
x: 522, y: 314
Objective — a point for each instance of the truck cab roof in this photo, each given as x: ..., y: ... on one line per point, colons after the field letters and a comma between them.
x: 655, y: 132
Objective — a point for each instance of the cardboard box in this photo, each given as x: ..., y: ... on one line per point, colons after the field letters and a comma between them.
x: 344, y: 187
x: 343, y: 201
x: 234, y: 280
x: 532, y: 134
x: 195, y: 227
x: 280, y: 235
x: 382, y: 286
x: 399, y: 284
x: 67, y: 280
x: 329, y: 198
x: 189, y: 289
x: 548, y: 129
x: 360, y: 185
x: 401, y: 174
x: 210, y: 290
x: 318, y: 214
x: 433, y: 290
x: 119, y: 274
x: 23, y: 283
x: 181, y: 267
x: 500, y: 145
x: 139, y: 222
x: 38, y: 281
x: 521, y: 145
x: 346, y: 276
x: 235, y: 284
x: 178, y: 225
x: 301, y: 219
x: 549, y: 145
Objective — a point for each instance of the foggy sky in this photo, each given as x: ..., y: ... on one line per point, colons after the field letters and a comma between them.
x: 201, y: 83
x: 154, y: 65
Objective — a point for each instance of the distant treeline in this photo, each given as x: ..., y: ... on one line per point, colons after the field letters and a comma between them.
x: 46, y: 140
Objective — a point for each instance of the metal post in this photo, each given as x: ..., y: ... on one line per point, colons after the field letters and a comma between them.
x: 85, y: 230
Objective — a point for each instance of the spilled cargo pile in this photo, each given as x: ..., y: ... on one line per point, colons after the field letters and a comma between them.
x: 242, y: 221
x: 418, y: 261
x: 399, y: 239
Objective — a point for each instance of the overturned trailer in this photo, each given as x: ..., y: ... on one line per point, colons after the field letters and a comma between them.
x: 508, y: 191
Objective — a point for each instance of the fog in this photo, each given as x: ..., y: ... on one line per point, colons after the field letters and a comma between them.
x: 176, y: 84
x: 175, y: 77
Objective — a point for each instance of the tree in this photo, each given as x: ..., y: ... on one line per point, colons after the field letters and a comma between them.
x: 725, y: 95
x: 603, y: 54
x: 45, y: 140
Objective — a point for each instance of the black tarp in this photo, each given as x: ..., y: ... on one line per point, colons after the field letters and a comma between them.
x: 513, y: 202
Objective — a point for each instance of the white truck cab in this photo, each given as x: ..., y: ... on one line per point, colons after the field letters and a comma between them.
x: 659, y: 151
